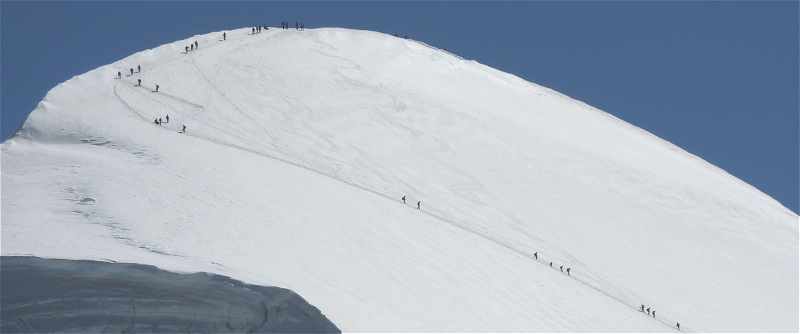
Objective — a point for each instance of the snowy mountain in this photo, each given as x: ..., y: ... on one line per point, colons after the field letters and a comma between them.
x: 300, y: 144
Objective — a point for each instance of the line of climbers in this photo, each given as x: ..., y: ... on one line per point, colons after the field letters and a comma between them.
x: 159, y: 121
x: 297, y: 25
x: 419, y: 203
x: 138, y: 70
x: 254, y: 30
x: 194, y: 46
x: 650, y: 311
x: 301, y: 26
x: 568, y: 270
x: 191, y: 47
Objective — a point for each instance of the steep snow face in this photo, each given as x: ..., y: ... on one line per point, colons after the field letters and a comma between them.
x: 300, y: 144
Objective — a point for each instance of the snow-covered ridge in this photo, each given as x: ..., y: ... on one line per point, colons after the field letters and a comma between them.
x: 300, y: 144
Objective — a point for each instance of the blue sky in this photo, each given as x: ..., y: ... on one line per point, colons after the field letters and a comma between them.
x: 719, y: 79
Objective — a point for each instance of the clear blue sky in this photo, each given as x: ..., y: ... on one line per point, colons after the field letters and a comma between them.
x: 719, y: 79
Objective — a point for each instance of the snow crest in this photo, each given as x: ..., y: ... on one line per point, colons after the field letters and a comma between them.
x: 300, y: 144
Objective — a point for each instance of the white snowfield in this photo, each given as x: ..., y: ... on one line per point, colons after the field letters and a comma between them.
x: 300, y: 144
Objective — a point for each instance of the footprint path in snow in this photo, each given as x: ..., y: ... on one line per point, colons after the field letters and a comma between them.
x: 587, y: 280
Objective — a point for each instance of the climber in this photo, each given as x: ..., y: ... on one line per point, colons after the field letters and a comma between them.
x: 418, y: 204
x: 404, y: 199
x: 568, y: 269
x: 536, y: 255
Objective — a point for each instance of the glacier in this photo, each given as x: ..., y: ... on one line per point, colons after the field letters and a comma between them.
x: 300, y: 144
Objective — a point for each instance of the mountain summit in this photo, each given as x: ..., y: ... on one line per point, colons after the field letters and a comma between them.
x: 299, y: 145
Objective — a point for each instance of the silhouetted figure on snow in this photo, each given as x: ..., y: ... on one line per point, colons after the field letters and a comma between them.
x: 138, y: 81
x: 562, y: 268
x: 404, y: 199
x: 551, y: 264
x: 157, y: 92
x: 167, y: 115
x: 224, y: 36
x: 654, y: 313
x: 183, y: 129
x: 131, y: 70
x: 678, y: 324
x: 196, y: 46
x: 119, y: 75
x: 642, y: 308
x: 648, y: 311
x: 418, y: 204
x: 568, y: 269
x: 536, y: 255
x: 138, y: 68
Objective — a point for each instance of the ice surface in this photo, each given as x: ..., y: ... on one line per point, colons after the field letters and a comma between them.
x: 79, y: 296
x: 300, y: 144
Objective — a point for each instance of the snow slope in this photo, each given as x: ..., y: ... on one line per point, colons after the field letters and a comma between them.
x: 300, y: 145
